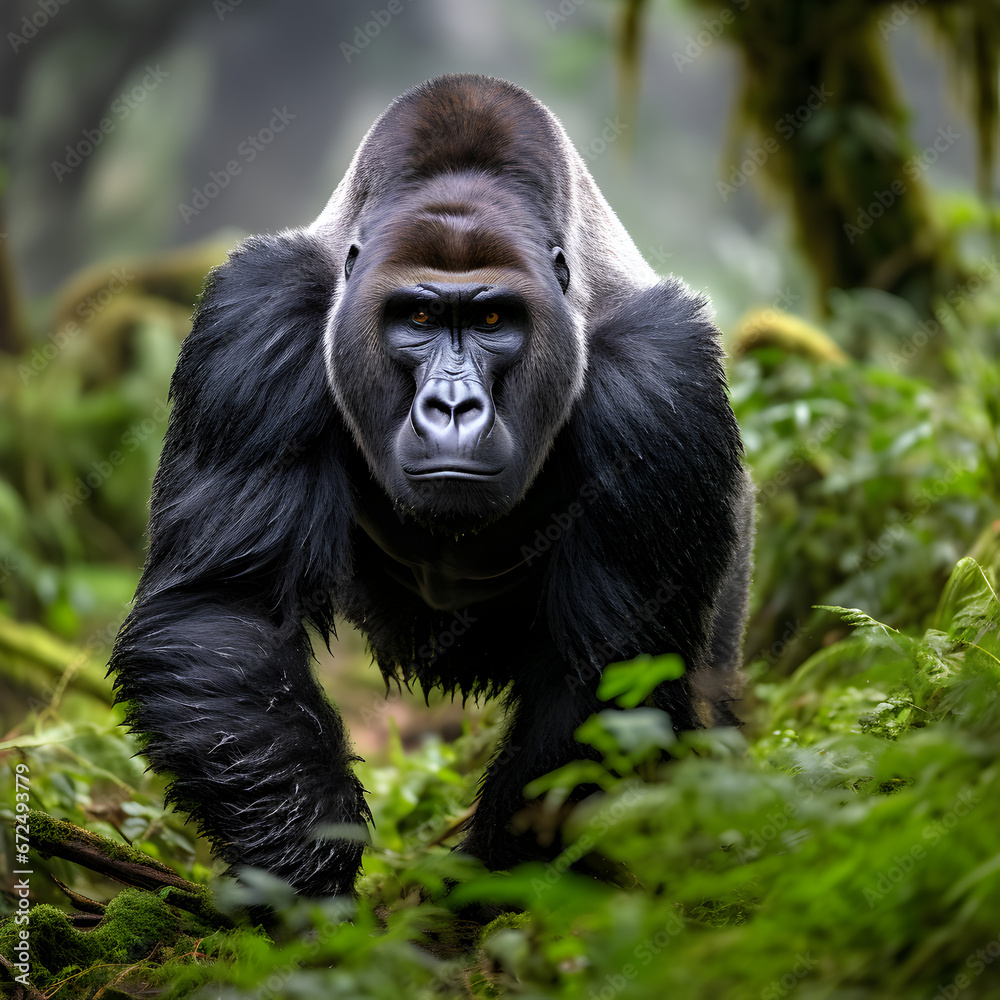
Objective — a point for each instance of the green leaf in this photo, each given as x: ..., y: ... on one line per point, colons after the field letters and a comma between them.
x: 631, y: 683
x: 860, y: 620
x: 640, y: 730
x: 968, y: 600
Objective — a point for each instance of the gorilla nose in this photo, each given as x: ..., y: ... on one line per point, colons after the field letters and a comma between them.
x: 452, y: 415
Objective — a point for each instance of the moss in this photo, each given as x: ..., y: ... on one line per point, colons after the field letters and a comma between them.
x: 506, y: 921
x: 50, y: 835
x: 771, y: 328
x: 46, y: 829
x: 137, y: 926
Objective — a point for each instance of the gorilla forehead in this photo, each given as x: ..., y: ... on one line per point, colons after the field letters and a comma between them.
x: 458, y: 125
x: 459, y: 222
x: 476, y: 127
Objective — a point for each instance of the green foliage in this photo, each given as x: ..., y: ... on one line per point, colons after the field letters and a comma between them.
x: 819, y: 100
x: 849, y: 850
x: 629, y: 684
x: 136, y: 925
x: 87, y: 771
x: 77, y: 454
x: 871, y: 483
x: 842, y: 846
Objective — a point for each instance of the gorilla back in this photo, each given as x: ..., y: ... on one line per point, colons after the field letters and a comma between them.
x: 462, y: 413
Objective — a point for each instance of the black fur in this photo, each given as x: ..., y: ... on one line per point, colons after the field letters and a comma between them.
x: 629, y: 531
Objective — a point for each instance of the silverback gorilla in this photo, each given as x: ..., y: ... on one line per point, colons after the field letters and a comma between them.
x: 462, y: 413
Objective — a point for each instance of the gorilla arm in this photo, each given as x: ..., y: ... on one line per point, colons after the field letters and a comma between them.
x: 248, y: 530
x: 258, y: 756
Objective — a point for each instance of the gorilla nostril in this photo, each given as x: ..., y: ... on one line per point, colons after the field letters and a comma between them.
x: 468, y: 406
x: 430, y: 414
x: 437, y: 408
x: 461, y: 411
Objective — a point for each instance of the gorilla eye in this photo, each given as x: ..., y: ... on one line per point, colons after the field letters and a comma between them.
x: 492, y: 318
x: 420, y: 317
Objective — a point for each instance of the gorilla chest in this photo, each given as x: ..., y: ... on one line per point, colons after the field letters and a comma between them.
x: 447, y: 572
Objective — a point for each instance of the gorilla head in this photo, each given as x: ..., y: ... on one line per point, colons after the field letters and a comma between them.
x: 462, y: 413
x: 457, y: 299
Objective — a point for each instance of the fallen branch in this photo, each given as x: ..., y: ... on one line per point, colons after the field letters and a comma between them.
x: 126, y: 864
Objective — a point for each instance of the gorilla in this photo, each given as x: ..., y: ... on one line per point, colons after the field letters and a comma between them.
x: 460, y: 412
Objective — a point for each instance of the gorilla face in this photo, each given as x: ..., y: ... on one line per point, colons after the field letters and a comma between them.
x: 451, y: 352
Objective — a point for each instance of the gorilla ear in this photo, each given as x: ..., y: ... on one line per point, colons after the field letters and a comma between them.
x: 352, y: 256
x: 561, y: 268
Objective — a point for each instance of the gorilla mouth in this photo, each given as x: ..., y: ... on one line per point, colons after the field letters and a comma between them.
x: 451, y: 470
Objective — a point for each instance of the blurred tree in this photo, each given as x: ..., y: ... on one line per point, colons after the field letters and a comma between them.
x: 12, y: 333
x: 819, y: 97
x: 629, y: 39
x: 99, y: 44
x: 105, y: 39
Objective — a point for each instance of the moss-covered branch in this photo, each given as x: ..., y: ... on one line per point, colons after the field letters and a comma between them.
x: 121, y: 862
